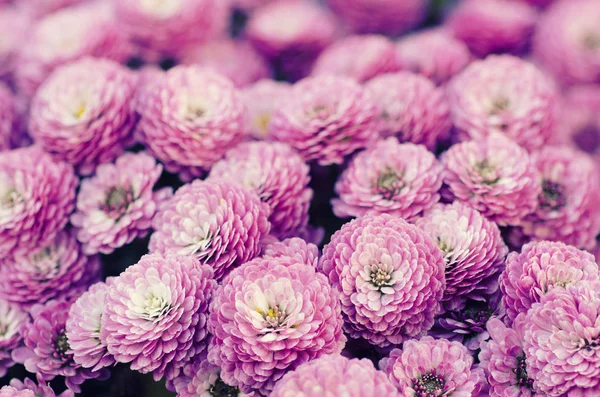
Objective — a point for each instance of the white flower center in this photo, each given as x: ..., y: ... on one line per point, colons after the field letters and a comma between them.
x: 381, y: 276
x: 153, y: 303
x: 9, y: 198
x: 161, y: 8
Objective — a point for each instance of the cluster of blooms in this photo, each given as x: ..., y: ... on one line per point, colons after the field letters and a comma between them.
x: 300, y: 198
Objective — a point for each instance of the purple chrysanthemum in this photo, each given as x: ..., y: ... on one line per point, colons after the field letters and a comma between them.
x: 493, y: 175
x: 434, y: 53
x: 12, y: 318
x: 75, y: 32
x: 503, y: 360
x: 220, y: 224
x: 28, y: 388
x: 432, y: 367
x: 279, y: 177
x: 377, y: 56
x: 383, y: 16
x: 155, y: 314
x: 269, y: 317
x: 504, y: 94
x: 117, y: 205
x: 539, y: 268
x: 261, y: 100
x: 326, y: 119
x: 293, y: 250
x: 57, y: 270
x: 205, y: 381
x: 389, y: 275
x: 412, y: 108
x: 335, y: 375
x: 47, y: 352
x: 567, y: 207
x: 473, y: 250
x: 190, y: 116
x: 291, y: 34
x: 562, y: 341
x: 493, y: 26
x: 401, y: 179
x: 8, y: 117
x: 84, y: 326
x: 567, y: 41
x: 83, y: 113
x: 15, y: 26
x: 36, y: 196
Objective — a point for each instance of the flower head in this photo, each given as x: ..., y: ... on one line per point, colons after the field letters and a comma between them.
x: 15, y: 26
x: 261, y: 100
x: 40, y: 8
x: 206, y: 382
x: 28, y: 388
x: 12, y: 318
x: 294, y: 250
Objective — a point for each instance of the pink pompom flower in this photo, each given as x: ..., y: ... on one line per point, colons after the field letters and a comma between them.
x: 12, y: 318
x: 41, y: 8
x: 261, y: 100
x: 14, y: 28
x: 205, y: 381
x: 295, y: 250
x: 29, y: 388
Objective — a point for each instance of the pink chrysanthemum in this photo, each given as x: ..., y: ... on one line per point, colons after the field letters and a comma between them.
x: 473, y: 250
x: 567, y: 41
x: 261, y: 100
x: 83, y: 113
x: 432, y: 367
x: 8, y: 117
x: 220, y: 224
x: 15, y: 24
x: 539, y: 268
x: 36, y: 196
x: 412, y: 108
x: 561, y: 343
x: 88, y: 29
x: 291, y: 34
x: 389, y: 275
x: 503, y: 360
x: 168, y: 27
x: 155, y: 314
x: 294, y: 250
x: 117, y: 205
x: 190, y: 116
x: 493, y: 26
x: 377, y: 56
x: 47, y: 352
x: 433, y: 53
x: 84, y: 326
x: 326, y: 118
x: 401, y: 179
x: 504, y: 94
x: 57, y: 270
x: 28, y: 388
x: 40, y: 8
x: 493, y: 175
x: 335, y: 375
x: 381, y: 16
x: 567, y: 207
x: 235, y: 59
x: 12, y: 318
x: 279, y: 177
x: 269, y: 317
x: 205, y: 381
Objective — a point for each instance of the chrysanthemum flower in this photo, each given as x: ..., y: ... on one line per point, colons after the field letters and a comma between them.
x: 473, y: 250
x: 28, y: 388
x: 434, y: 53
x: 40, y: 8
x: 567, y: 207
x: 504, y: 94
x: 261, y: 100
x: 47, y: 351
x: 36, y: 196
x: 383, y: 16
x: 291, y: 34
x: 84, y: 326
x: 326, y: 118
x: 539, y: 268
x: 269, y: 317
x: 293, y: 250
x: 88, y: 29
x: 335, y: 375
x: 561, y: 342
x: 493, y: 26
x: 206, y: 382
x: 12, y: 318
x: 432, y: 367
x: 117, y: 205
x: 155, y: 314
x: 83, y: 113
x: 401, y: 179
x: 220, y: 224
x: 412, y: 108
x: 15, y: 24
x: 567, y: 41
x: 377, y: 56
x: 493, y: 175
x: 389, y: 275
x: 57, y: 270
x: 8, y: 116
x: 190, y: 116
x: 279, y: 177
